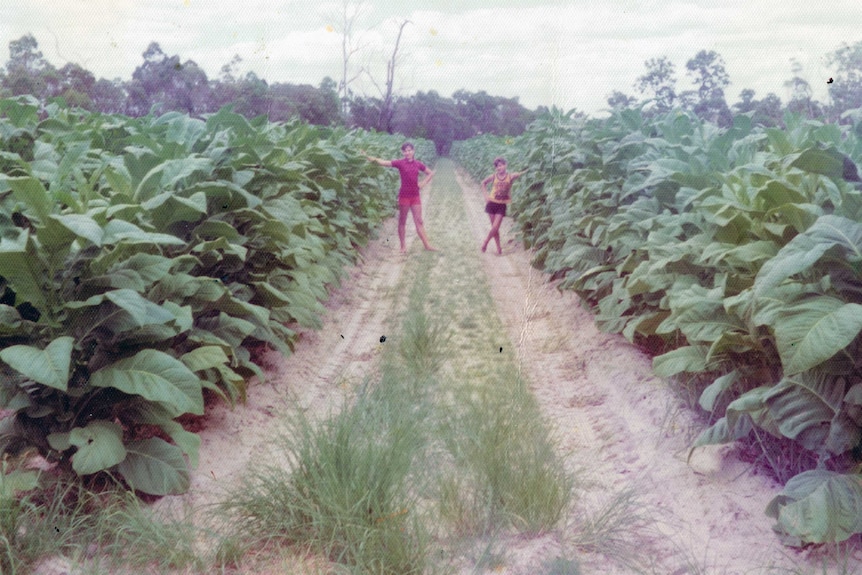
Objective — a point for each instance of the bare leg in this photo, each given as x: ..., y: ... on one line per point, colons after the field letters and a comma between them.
x: 485, y: 243
x: 402, y: 224
x: 420, y: 227
x: 496, y: 220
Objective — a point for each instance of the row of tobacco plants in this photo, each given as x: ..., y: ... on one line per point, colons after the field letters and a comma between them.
x: 735, y: 255
x: 143, y: 260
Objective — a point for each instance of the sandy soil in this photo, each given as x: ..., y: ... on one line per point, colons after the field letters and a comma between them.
x: 617, y: 426
x: 621, y: 429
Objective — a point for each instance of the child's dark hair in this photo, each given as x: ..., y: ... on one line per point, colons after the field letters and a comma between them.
x: 406, y: 145
x: 499, y: 160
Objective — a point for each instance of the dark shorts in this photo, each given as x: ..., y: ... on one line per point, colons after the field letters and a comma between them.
x: 494, y: 208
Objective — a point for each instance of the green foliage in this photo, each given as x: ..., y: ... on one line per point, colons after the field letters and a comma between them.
x: 818, y: 506
x: 141, y: 259
x: 733, y: 255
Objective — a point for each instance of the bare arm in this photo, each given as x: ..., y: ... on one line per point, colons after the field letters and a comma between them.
x: 484, y: 185
x: 384, y: 163
x: 517, y: 175
x: 428, y: 175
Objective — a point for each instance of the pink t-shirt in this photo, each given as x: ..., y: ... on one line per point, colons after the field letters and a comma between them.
x: 409, y: 171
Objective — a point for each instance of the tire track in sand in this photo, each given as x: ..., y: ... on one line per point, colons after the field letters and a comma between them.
x: 621, y: 427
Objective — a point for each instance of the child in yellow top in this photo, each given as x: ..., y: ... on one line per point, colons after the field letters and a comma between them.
x: 498, y: 199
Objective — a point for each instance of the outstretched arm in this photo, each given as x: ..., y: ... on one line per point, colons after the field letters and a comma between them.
x: 517, y: 175
x: 384, y: 163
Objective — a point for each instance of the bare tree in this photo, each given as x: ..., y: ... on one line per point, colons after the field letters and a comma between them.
x: 386, y: 108
x: 350, y: 13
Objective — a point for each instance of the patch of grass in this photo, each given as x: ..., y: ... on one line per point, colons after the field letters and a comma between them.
x: 348, y: 493
x: 135, y: 536
x: 506, y: 471
x: 425, y: 343
x: 615, y: 530
x: 97, y: 531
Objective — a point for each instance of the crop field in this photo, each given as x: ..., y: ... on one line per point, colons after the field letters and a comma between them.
x: 213, y: 358
x: 734, y: 255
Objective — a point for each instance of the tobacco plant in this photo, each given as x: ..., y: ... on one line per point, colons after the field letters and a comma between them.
x: 735, y: 256
x: 141, y: 260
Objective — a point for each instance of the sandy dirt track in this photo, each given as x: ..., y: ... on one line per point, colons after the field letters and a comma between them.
x: 617, y: 426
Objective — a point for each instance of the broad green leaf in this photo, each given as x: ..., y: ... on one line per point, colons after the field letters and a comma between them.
x: 49, y: 366
x: 232, y: 330
x: 801, y: 216
x: 30, y: 191
x: 118, y: 181
x: 10, y: 320
x: 803, y: 251
x: 23, y: 268
x: 705, y: 321
x: 167, y: 208
x: 778, y: 193
x: 15, y: 481
x: 818, y: 506
x: 100, y: 447
x: 183, y: 315
x: 59, y: 441
x: 752, y: 404
x: 771, y: 302
x: 139, y: 310
x: 716, y: 389
x: 216, y: 229
x: 156, y: 376
x: 150, y: 267
x: 741, y: 415
x: 117, y: 231
x: 803, y: 407
x: 690, y: 358
x: 155, y: 414
x: 186, y: 131
x: 223, y: 196
x: 180, y: 286
x: 813, y: 330
x: 828, y: 162
x: 82, y: 226
x: 156, y: 467
x: 205, y: 357
x: 720, y: 433
x: 168, y: 173
x: 137, y: 273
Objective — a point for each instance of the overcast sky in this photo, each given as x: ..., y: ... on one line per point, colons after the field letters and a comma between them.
x: 571, y: 54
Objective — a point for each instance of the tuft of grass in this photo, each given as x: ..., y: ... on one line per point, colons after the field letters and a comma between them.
x: 506, y: 471
x: 615, y: 530
x: 348, y: 493
x: 96, y: 531
x: 139, y: 537
x: 425, y: 344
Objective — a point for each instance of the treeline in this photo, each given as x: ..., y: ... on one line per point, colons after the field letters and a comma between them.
x: 709, y: 79
x: 165, y: 83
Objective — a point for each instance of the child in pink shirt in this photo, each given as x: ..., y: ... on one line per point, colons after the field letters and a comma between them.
x: 408, y: 194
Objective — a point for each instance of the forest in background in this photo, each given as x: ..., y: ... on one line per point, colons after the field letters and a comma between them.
x: 163, y: 83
